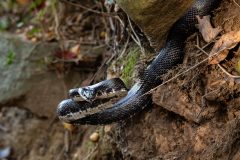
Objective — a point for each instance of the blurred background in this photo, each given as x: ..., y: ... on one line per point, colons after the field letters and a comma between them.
x: 46, y: 48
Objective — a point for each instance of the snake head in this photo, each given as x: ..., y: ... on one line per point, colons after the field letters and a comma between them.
x: 87, y: 94
x: 82, y: 94
x: 69, y: 110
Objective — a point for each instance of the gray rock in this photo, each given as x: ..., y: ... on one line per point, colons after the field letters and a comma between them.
x: 25, y: 79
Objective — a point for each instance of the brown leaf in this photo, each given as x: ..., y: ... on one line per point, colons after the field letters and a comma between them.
x: 66, y: 55
x: 223, y: 45
x: 206, y: 29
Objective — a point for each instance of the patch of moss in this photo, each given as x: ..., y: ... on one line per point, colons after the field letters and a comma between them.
x: 237, y: 66
x: 129, y: 63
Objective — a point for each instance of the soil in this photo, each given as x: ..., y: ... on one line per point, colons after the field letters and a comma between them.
x: 195, y: 116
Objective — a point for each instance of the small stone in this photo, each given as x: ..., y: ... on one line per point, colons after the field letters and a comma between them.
x: 76, y: 156
x: 94, y: 137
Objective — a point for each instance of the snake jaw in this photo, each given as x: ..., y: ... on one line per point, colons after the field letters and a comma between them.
x: 64, y: 111
x: 71, y: 112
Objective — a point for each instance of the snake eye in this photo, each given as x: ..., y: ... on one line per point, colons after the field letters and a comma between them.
x: 73, y: 93
x: 109, y: 90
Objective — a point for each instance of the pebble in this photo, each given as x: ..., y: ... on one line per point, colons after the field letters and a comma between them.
x: 94, y: 137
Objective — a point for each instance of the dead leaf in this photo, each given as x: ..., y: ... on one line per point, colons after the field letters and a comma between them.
x: 66, y: 55
x: 208, y: 32
x: 223, y: 45
x: 76, y: 51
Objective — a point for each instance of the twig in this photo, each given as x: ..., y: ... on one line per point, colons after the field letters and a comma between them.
x: 56, y: 19
x: 104, y: 64
x: 226, y: 72
x: 88, y: 9
x: 180, y: 74
x: 236, y: 3
x: 124, y: 48
x: 111, y: 21
x: 135, y: 34
x: 65, y: 60
x: 120, y: 20
x: 205, y: 46
x: 177, y: 75
x: 223, y: 69
x: 108, y: 61
x: 135, y: 37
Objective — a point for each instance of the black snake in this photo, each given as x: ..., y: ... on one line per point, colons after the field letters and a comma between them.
x: 89, y: 110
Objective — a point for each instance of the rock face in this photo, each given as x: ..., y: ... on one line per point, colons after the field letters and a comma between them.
x: 155, y: 17
x: 25, y: 79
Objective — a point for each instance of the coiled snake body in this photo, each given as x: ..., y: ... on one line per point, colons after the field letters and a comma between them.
x: 88, y: 110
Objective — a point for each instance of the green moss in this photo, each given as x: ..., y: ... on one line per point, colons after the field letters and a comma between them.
x: 129, y: 63
x: 88, y: 146
x: 237, y: 66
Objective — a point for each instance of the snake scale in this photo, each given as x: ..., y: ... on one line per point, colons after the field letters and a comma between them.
x: 89, y: 110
